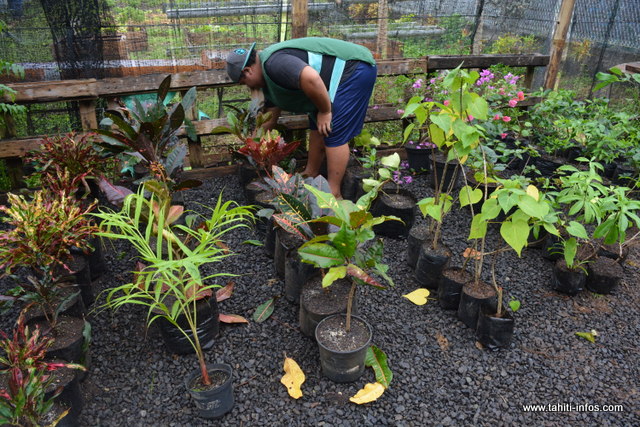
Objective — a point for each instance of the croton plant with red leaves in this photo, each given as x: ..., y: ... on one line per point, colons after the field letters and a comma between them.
x: 267, y: 151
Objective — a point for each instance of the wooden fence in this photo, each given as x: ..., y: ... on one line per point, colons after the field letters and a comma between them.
x: 86, y: 92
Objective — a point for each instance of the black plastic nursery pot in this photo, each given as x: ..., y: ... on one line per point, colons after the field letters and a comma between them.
x: 285, y: 243
x: 400, y: 203
x: 317, y: 302
x: 444, y: 173
x: 70, y: 396
x: 416, y: 237
x: 552, y: 248
x: 342, y: 353
x: 567, y: 281
x: 252, y: 189
x: 474, y: 296
x: 263, y: 201
x: 246, y: 173
x: 419, y: 159
x: 269, y: 241
x: 81, y: 275
x: 207, y: 329
x: 212, y: 401
x: 604, y: 275
x: 450, y: 287
x: 431, y: 262
x: 351, y: 187
x: 69, y: 339
x: 296, y: 274
x: 494, y: 332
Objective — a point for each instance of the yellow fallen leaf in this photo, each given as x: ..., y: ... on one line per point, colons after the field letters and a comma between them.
x: 369, y: 393
x: 418, y: 297
x: 533, y: 192
x: 293, y: 377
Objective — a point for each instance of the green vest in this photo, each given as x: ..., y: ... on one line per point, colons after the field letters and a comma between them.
x: 295, y: 100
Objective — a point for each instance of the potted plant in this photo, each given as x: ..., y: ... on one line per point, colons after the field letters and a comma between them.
x: 149, y: 137
x: 392, y: 199
x: 32, y: 388
x: 169, y: 283
x: 45, y: 229
x: 345, y: 253
x: 366, y: 158
x: 452, y: 127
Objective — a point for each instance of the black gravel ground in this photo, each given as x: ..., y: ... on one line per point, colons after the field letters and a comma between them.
x: 440, y: 376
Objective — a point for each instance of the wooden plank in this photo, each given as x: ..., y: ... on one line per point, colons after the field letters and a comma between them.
x: 151, y: 82
x: 54, y: 91
x: 196, y: 154
x: 18, y: 147
x: 394, y: 67
x: 448, y: 62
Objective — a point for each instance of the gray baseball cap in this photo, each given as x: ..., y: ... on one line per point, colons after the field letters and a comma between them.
x: 236, y: 61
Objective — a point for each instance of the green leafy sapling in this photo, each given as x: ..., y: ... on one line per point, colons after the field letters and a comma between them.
x: 347, y: 251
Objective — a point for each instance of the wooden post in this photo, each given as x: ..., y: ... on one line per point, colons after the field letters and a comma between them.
x: 383, y: 21
x: 88, y: 115
x: 196, y: 154
x: 300, y: 18
x: 559, y: 37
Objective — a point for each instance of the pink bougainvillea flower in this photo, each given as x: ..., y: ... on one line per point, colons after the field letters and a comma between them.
x: 400, y: 112
x: 521, y: 96
x: 470, y: 117
x: 503, y: 135
x: 446, y: 102
x: 506, y: 119
x: 513, y: 102
x: 496, y: 117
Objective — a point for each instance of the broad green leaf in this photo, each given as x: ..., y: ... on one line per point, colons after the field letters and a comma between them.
x: 469, y: 196
x: 533, y: 208
x: 377, y: 360
x: 478, y: 227
x: 570, y: 250
x: 264, y: 310
x: 514, y: 304
x: 516, y: 234
x: 345, y: 242
x: 408, y: 130
x: 320, y: 254
x: 392, y: 161
x: 418, y: 297
x: 490, y: 209
x: 533, y: 192
x: 334, y: 274
x: 577, y: 230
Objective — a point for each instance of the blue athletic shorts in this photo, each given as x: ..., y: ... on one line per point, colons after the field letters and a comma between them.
x: 350, y: 106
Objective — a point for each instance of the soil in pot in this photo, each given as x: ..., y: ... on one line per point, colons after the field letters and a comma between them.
x: 418, y: 234
x: 450, y: 287
x: 566, y: 280
x: 604, y: 275
x: 430, y: 264
x: 207, y: 329
x: 68, y: 336
x: 317, y: 302
x: 474, y: 296
x: 494, y: 332
x: 215, y: 400
x: 400, y: 203
x: 342, y: 352
x: 614, y: 251
x: 419, y: 159
x: 444, y: 173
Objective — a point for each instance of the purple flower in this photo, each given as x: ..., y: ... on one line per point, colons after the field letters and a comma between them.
x: 417, y: 84
x: 408, y: 179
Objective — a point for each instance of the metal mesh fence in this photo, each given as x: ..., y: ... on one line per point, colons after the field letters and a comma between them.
x: 100, y: 38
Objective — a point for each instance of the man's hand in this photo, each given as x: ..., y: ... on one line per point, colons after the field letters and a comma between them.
x: 324, y: 123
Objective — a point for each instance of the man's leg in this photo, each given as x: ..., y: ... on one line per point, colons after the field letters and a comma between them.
x: 316, y: 154
x: 337, y: 160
